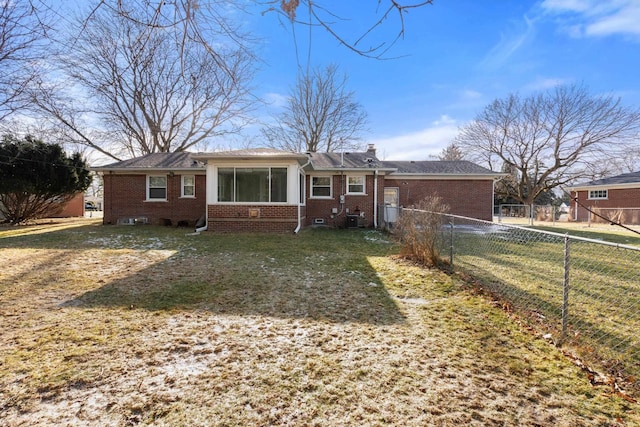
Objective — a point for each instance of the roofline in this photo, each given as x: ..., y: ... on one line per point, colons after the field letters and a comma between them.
x: 618, y: 186
x: 353, y: 169
x: 248, y: 156
x: 426, y: 175
x: 201, y: 169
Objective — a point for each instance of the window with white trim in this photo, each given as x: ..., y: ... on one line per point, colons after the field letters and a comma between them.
x: 266, y: 185
x: 157, y: 187
x: 302, y: 189
x: 598, y: 194
x: 321, y: 186
x: 355, y: 184
x: 188, y: 186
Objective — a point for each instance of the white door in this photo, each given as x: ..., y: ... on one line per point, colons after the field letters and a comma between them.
x: 391, y: 204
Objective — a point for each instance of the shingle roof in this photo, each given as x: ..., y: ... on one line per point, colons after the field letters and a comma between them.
x: 319, y: 161
x: 625, y: 178
x: 358, y: 160
x: 251, y: 152
x: 438, y: 167
x: 181, y: 160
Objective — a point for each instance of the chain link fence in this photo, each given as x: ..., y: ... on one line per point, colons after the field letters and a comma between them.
x: 529, y: 214
x: 629, y: 216
x: 582, y: 294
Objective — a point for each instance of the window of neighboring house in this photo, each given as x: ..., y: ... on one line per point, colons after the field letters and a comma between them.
x: 598, y: 194
x: 188, y: 186
x: 157, y: 187
x: 355, y: 184
x: 320, y: 186
x: 262, y: 185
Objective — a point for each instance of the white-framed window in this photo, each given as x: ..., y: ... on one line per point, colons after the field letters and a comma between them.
x: 321, y: 186
x: 598, y: 194
x: 188, y: 185
x: 157, y: 187
x: 303, y: 189
x: 356, y: 184
x: 251, y: 185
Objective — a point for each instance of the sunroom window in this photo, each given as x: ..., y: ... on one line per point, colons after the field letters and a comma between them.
x: 252, y: 185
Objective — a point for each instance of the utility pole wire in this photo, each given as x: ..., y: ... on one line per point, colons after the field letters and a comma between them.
x: 610, y: 221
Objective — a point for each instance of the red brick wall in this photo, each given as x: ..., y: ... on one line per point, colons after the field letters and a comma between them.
x: 124, y: 197
x: 237, y: 218
x: 322, y: 208
x: 73, y: 208
x: 620, y: 198
x: 471, y: 198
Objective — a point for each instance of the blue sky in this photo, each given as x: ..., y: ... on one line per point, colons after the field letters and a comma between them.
x: 456, y: 57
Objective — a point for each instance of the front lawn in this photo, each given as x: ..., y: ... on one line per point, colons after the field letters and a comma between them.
x: 121, y: 325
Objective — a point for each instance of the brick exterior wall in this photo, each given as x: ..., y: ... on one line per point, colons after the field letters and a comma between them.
x: 616, y: 198
x: 125, y: 195
x: 471, y: 198
x: 322, y: 208
x: 253, y: 218
x: 73, y: 208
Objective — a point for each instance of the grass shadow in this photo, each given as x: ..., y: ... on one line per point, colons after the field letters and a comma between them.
x: 321, y: 275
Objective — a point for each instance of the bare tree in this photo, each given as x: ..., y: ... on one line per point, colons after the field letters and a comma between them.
x: 321, y: 115
x: 197, y: 20
x: 450, y: 152
x: 147, y: 90
x: 549, y: 139
x: 327, y: 18
x: 21, y: 34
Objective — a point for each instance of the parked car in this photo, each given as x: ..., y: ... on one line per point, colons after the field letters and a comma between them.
x: 89, y: 206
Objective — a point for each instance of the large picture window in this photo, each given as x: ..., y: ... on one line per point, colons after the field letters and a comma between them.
x: 320, y: 186
x: 252, y: 185
x: 156, y: 187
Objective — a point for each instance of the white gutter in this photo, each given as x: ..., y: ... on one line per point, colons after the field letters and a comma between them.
x: 301, y: 169
x: 375, y: 199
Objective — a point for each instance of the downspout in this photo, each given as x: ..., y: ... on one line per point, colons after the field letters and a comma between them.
x: 206, y: 223
x: 206, y: 209
x: 300, y: 169
x: 375, y: 199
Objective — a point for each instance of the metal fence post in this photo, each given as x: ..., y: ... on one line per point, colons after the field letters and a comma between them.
x: 565, y: 288
x: 531, y: 214
x: 451, y: 245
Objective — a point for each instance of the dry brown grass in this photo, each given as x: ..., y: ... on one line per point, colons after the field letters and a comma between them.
x: 126, y: 326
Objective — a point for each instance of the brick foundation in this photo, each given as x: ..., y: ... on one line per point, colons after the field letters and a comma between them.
x: 253, y: 218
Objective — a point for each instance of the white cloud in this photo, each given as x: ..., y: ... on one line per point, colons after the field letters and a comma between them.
x: 470, y: 94
x: 544, y: 83
x: 567, y: 5
x: 623, y: 21
x: 418, y: 145
x: 597, y: 18
x: 276, y: 100
x: 509, y: 44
